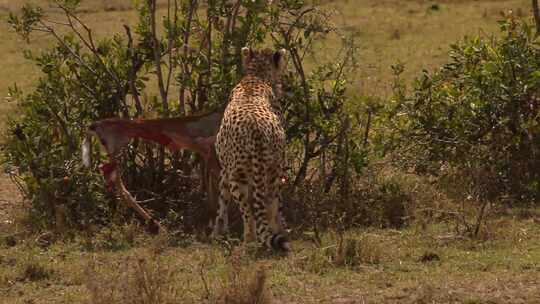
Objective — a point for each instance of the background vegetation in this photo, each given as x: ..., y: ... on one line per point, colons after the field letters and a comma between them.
x: 392, y: 179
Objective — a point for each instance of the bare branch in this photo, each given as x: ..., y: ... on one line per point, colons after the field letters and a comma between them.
x: 133, y: 72
x: 157, y: 57
x: 170, y: 44
x: 87, y: 41
x: 185, y: 52
x: 51, y: 30
x: 536, y: 13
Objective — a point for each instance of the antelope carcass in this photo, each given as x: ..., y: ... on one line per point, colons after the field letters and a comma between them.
x: 195, y: 133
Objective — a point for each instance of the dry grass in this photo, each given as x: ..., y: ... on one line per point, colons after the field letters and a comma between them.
x: 142, y: 280
x: 423, y: 263
x: 378, y: 266
x: 387, y: 31
x: 244, y: 283
x: 150, y: 277
x: 410, y: 32
x: 32, y: 271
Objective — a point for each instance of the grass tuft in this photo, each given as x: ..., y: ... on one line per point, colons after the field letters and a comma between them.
x: 144, y: 280
x: 429, y: 256
x: 244, y: 284
x: 34, y: 271
x: 352, y: 251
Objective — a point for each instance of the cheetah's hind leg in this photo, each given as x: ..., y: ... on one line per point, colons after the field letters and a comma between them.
x: 221, y: 225
x: 266, y: 208
x: 241, y: 194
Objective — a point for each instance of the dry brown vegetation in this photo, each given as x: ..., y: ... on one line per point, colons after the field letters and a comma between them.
x: 376, y: 265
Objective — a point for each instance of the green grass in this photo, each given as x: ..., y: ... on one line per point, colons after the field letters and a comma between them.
x: 387, y: 266
x: 412, y: 33
x: 497, y: 270
x: 388, y: 32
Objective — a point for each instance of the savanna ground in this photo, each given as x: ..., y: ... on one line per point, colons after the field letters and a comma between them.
x: 427, y: 262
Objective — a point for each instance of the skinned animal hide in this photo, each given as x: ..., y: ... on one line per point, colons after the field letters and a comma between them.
x: 195, y: 133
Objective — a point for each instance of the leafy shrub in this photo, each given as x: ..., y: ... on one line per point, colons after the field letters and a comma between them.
x: 43, y: 143
x: 479, y: 114
x: 135, y: 74
x: 373, y: 200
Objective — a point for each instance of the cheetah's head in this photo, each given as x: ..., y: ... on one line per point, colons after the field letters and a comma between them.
x: 266, y: 64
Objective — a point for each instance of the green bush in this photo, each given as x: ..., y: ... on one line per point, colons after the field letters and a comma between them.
x: 133, y: 74
x: 478, y: 114
x: 43, y: 143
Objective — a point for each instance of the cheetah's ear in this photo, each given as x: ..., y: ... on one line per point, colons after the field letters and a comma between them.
x: 246, y: 54
x: 279, y: 58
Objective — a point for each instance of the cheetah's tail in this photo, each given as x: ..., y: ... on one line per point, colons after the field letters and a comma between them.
x: 280, y: 242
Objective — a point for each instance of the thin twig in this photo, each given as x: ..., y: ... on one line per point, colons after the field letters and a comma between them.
x: 536, y: 13
x: 133, y: 73
x: 170, y: 45
x: 185, y: 54
x: 88, y: 42
x: 50, y: 30
x: 366, y: 131
x: 157, y: 57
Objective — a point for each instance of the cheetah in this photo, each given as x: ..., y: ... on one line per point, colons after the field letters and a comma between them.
x: 250, y: 146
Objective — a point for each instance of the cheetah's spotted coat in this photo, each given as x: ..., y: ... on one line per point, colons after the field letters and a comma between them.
x: 250, y: 145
